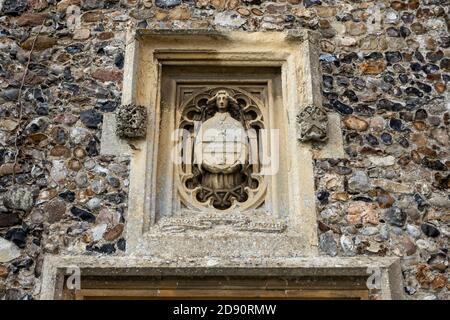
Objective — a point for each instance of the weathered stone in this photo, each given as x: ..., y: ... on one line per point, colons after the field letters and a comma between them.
x: 113, y: 233
x: 92, y: 16
x: 32, y: 19
x: 384, y: 199
x: 64, y: 4
x: 430, y: 230
x: 166, y: 4
x: 359, y: 182
x: 55, y: 210
x: 81, y: 34
x: 328, y: 244
x: 18, y: 236
x: 82, y: 214
x: 42, y: 42
x: 8, y: 251
x: 91, y: 118
x: 9, y: 219
x: 229, y: 19
x: 348, y: 245
x: 355, y: 123
x: 131, y: 121
x: 395, y: 216
x: 372, y: 67
x: 105, y: 75
x: 362, y: 212
x: 312, y: 124
x: 13, y: 7
x: 382, y: 161
x: 19, y: 198
x: 9, y: 168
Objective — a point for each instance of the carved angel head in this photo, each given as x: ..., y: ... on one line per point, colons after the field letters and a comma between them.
x: 222, y: 98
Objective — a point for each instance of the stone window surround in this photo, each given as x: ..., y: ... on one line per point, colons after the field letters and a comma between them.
x: 297, y: 55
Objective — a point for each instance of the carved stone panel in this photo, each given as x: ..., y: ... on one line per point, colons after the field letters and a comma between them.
x: 220, y: 169
x: 131, y: 121
x: 312, y: 124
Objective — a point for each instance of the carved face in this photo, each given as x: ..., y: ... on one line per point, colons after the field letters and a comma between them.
x: 222, y: 100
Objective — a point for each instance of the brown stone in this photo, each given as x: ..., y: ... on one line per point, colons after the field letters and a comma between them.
x: 42, y: 43
x: 3, y: 271
x: 427, y: 152
x: 275, y: 8
x: 303, y: 13
x: 439, y: 281
x: 423, y: 275
x: 74, y: 164
x: 31, y: 19
x: 409, y: 246
x: 37, y: 138
x: 105, y: 35
x: 9, y: 219
x: 418, y: 28
x: 48, y: 194
x: 243, y: 11
x: 55, y: 210
x: 420, y: 125
x: 81, y: 34
x: 325, y: 11
x: 107, y: 75
x: 413, y: 4
x: 362, y: 212
x: 355, y: 123
x: 92, y: 16
x: 441, y: 136
x: 415, y: 156
x: 9, y: 168
x: 372, y: 66
x: 180, y: 13
x: 440, y: 87
x: 79, y: 152
x: 113, y: 233
x: 8, y: 124
x: 327, y: 46
x: 384, y: 198
x: 64, y: 4
x: 257, y: 12
x: 397, y: 5
x: 161, y: 15
x: 60, y: 151
x: 340, y: 196
x: 37, y: 5
x: 419, y: 139
x: 355, y: 29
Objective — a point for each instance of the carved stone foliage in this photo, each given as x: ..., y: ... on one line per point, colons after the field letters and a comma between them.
x: 312, y: 124
x: 131, y: 121
x: 220, y: 168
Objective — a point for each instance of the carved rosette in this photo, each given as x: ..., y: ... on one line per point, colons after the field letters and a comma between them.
x: 131, y: 121
x: 312, y: 124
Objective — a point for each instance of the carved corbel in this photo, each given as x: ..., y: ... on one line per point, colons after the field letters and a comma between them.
x: 131, y: 121
x: 312, y: 124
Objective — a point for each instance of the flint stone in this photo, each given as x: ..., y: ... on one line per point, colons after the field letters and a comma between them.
x: 20, y: 198
x: 327, y: 243
x: 359, y: 182
x: 8, y: 251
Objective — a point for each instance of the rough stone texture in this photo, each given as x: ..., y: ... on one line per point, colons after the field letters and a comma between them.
x: 312, y: 124
x: 384, y: 63
x: 131, y: 121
